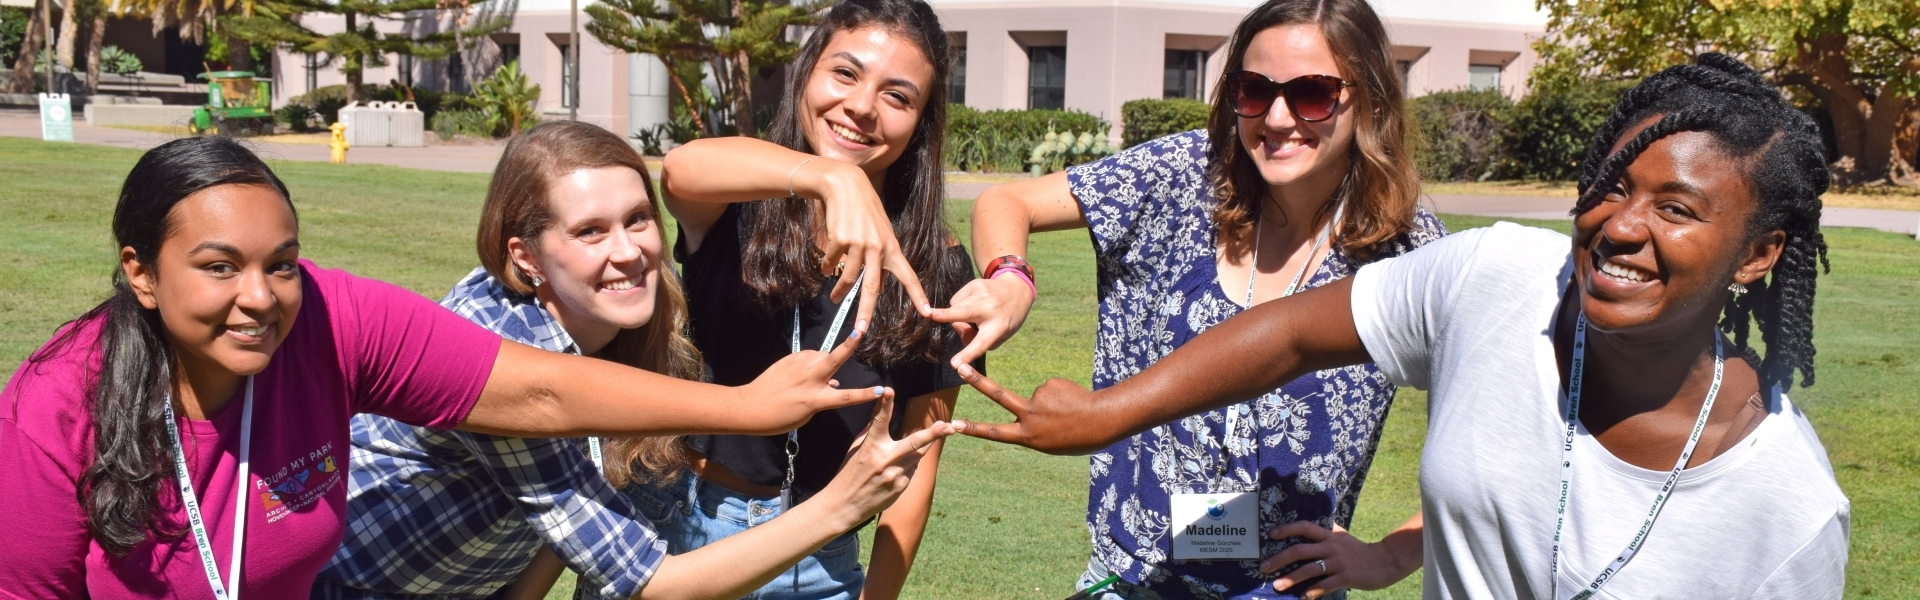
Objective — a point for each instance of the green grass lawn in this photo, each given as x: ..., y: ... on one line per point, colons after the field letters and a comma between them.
x: 1007, y: 522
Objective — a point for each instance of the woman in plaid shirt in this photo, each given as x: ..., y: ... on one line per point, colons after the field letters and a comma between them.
x: 572, y: 261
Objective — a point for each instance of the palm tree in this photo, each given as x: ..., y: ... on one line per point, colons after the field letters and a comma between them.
x: 359, y: 45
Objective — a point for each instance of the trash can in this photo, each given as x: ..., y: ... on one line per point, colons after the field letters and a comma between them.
x: 408, y: 125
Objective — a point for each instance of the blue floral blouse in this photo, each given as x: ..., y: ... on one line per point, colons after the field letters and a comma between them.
x: 1304, y: 448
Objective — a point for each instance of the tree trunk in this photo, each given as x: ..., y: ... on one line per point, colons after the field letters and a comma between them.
x: 741, y: 83
x: 69, y: 27
x: 239, y: 53
x: 1863, y: 128
x: 29, y: 46
x: 94, y: 42
x: 352, y: 64
x: 673, y: 75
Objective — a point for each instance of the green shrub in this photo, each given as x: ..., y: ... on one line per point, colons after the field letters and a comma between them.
x: 300, y: 117
x: 508, y: 98
x: 119, y: 62
x: 1150, y: 118
x: 1549, y: 132
x: 1003, y: 140
x: 1057, y: 151
x: 13, y: 31
x: 457, y: 122
x: 326, y: 101
x: 1457, y: 135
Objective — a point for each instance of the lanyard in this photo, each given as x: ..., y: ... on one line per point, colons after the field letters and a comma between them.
x: 1566, y: 463
x: 229, y: 590
x: 1233, y: 412
x: 826, y: 345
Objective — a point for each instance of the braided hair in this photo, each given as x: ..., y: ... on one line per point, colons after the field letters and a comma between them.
x: 1781, y: 150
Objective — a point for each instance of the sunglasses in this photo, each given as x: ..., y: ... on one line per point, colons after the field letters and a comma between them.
x: 1311, y: 98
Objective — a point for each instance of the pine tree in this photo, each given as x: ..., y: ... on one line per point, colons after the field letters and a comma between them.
x: 359, y: 45
x: 728, y: 36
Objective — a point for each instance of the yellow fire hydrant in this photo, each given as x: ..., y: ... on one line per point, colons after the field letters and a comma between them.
x: 339, y: 143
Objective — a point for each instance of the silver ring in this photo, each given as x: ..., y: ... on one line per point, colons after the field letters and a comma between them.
x: 1323, y: 566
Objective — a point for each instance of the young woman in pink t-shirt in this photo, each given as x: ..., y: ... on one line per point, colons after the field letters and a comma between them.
x: 207, y: 400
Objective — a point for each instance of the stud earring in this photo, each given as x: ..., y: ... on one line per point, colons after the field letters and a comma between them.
x: 537, y: 281
x: 1737, y: 288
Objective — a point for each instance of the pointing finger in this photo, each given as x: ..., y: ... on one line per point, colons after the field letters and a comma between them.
x: 993, y: 391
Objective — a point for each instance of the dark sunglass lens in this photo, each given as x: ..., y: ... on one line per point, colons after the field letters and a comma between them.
x: 1252, y: 94
x: 1313, y: 98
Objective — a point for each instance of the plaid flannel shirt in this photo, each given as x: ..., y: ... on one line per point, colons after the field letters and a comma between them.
x: 457, y: 514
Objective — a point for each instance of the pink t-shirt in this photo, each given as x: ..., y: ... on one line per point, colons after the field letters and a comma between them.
x: 359, y: 345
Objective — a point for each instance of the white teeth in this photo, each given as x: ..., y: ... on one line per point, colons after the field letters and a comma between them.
x: 1290, y: 144
x: 849, y: 134
x: 248, y: 330
x: 620, y: 285
x: 1622, y: 272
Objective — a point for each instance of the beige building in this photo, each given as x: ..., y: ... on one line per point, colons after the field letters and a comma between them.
x: 1094, y: 55
x: 1091, y: 55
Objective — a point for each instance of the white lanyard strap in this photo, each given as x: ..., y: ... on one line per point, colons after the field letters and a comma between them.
x: 826, y: 345
x: 1233, y: 412
x: 1578, y: 369
x: 229, y: 590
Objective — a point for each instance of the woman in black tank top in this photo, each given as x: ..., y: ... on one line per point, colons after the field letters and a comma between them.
x: 835, y: 225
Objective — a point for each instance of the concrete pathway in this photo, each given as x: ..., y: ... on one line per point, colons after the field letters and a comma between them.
x: 472, y: 159
x: 481, y: 159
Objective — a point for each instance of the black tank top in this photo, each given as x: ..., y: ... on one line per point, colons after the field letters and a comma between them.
x: 740, y: 339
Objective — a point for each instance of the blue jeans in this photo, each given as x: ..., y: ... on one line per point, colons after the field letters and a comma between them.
x: 691, y: 513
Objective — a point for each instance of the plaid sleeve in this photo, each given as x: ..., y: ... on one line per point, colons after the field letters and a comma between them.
x: 589, y: 524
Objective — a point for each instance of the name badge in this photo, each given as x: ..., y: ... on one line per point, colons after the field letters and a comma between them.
x: 1216, y: 526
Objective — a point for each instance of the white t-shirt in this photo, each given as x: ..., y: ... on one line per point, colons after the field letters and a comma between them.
x: 1470, y: 318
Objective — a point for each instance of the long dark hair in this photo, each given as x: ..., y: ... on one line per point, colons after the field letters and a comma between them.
x: 915, y: 197
x: 1381, y: 185
x: 519, y: 205
x: 1782, y: 155
x: 122, y: 485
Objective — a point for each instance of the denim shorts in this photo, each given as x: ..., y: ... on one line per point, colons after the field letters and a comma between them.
x: 691, y: 513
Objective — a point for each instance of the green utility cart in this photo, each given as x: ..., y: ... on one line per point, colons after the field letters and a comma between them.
x: 236, y: 105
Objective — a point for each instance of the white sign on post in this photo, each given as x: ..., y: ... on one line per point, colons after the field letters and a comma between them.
x: 56, y: 118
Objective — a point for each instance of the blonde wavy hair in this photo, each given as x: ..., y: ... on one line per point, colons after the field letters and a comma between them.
x: 517, y: 206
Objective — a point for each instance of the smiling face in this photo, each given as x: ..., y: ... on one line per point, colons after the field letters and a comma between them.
x: 1285, y: 149
x: 600, y: 257
x: 864, y: 98
x: 225, y: 280
x: 1662, y: 247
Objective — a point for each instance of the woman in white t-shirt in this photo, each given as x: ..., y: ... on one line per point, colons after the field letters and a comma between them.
x: 1591, y: 431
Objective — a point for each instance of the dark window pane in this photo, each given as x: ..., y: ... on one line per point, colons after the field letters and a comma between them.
x: 1183, y: 72
x: 1047, y: 77
x: 957, y: 80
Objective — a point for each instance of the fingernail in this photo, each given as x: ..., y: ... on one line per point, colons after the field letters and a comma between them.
x: 855, y: 335
x: 860, y: 325
x: 879, y: 390
x: 965, y: 370
x: 1273, y: 532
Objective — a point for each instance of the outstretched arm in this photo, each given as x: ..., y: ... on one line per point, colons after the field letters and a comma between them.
x: 988, y: 311
x: 536, y: 393
x: 876, y: 473
x: 702, y: 177
x: 1237, y: 360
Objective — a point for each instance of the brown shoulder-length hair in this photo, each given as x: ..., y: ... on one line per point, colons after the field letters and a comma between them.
x: 517, y: 206
x: 915, y: 197
x: 1381, y: 184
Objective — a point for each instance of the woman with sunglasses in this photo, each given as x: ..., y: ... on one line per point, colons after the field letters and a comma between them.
x: 1301, y: 176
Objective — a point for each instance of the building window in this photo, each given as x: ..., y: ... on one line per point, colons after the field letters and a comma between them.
x: 957, y: 80
x: 511, y: 52
x: 313, y: 70
x: 566, y: 78
x: 1483, y: 77
x: 406, y: 70
x: 1183, y: 73
x: 456, y: 73
x: 1047, y: 77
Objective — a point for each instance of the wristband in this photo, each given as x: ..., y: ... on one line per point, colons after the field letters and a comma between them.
x: 1017, y: 273
x: 790, y: 174
x: 1010, y: 262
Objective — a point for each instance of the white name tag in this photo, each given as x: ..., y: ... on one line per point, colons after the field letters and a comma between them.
x: 1216, y: 526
